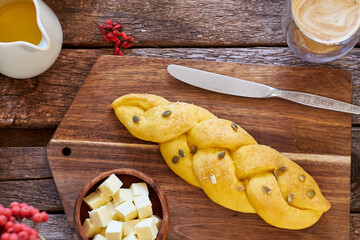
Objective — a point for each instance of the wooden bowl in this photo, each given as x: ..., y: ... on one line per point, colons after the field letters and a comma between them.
x: 127, y: 176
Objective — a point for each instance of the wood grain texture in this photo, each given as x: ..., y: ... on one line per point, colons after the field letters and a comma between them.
x: 354, y: 226
x: 20, y: 137
x: 103, y: 143
x: 57, y: 227
x: 88, y: 159
x: 42, y: 102
x: 355, y: 196
x: 39, y: 193
x: 355, y: 154
x: 23, y: 163
x: 174, y: 23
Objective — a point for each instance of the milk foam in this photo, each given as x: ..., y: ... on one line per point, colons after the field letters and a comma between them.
x: 327, y: 21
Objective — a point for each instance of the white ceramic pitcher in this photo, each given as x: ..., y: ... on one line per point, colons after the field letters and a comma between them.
x: 25, y: 60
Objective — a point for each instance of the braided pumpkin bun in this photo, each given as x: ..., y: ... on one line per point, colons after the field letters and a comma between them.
x: 224, y: 160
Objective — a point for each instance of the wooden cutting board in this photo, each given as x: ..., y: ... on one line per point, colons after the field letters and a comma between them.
x: 91, y: 140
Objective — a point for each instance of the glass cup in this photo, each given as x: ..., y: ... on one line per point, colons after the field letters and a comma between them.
x: 312, y: 49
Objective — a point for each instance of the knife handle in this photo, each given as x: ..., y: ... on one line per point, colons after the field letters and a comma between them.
x: 316, y: 101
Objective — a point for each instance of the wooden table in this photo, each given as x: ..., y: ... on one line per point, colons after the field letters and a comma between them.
x: 228, y: 30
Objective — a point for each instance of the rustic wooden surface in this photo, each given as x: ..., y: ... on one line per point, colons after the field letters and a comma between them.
x: 175, y: 23
x: 242, y: 31
x: 98, y: 142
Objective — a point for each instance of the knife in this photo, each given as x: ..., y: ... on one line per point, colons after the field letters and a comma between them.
x: 239, y: 87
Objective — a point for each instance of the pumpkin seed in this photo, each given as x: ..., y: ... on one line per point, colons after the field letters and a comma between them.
x: 166, y: 113
x: 234, y: 126
x: 266, y: 189
x: 175, y: 159
x: 311, y: 193
x: 290, y: 197
x: 240, y: 188
x: 136, y: 119
x: 213, y: 179
x: 302, y: 178
x: 282, y: 168
x: 221, y: 155
x: 181, y: 153
x: 275, y: 174
x: 193, y: 150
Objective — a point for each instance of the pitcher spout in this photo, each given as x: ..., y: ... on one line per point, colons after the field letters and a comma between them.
x: 43, y: 46
x: 45, y: 42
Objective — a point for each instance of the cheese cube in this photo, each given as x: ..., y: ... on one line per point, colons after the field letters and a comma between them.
x: 146, y: 229
x: 143, y: 206
x: 110, y: 186
x: 122, y: 195
x: 107, y: 199
x: 102, y: 232
x: 112, y: 210
x: 114, y: 230
x: 93, y: 200
x: 129, y: 226
x: 90, y: 229
x: 100, y: 216
x: 126, y: 211
x: 158, y: 221
x: 131, y: 236
x: 99, y: 237
x: 139, y: 189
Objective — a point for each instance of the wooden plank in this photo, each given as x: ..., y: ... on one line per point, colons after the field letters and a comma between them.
x: 38, y: 193
x: 355, y: 226
x: 355, y: 170
x: 15, y: 137
x: 23, y: 163
x: 355, y: 153
x: 174, y: 23
x: 42, y: 102
x: 98, y: 142
x: 56, y: 228
x: 355, y: 196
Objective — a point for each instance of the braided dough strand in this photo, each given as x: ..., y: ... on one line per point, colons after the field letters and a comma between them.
x: 225, y: 161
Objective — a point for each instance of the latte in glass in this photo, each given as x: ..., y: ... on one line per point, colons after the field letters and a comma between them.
x: 322, y: 27
x: 327, y: 21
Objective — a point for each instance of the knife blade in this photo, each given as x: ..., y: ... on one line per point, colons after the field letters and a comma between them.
x: 244, y: 88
